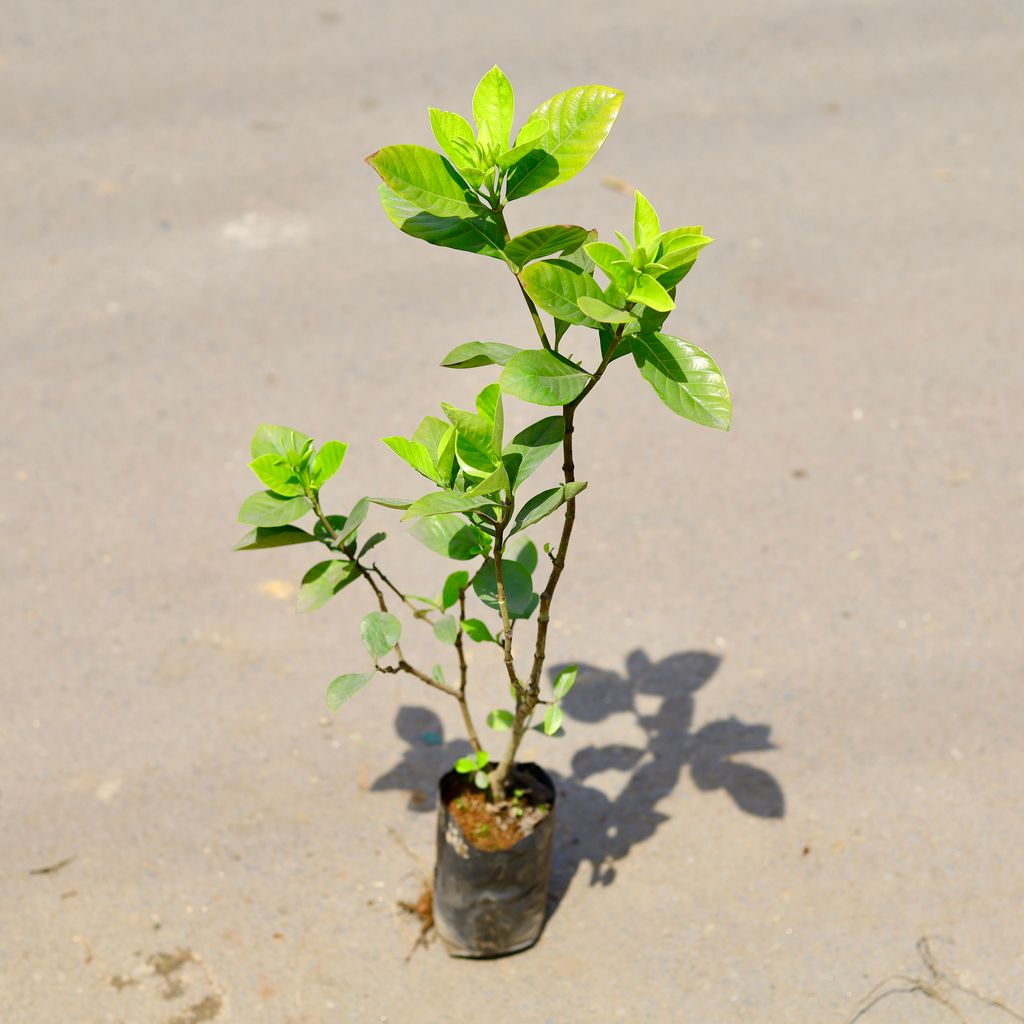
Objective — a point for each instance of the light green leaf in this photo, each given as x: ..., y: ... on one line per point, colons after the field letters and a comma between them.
x: 610, y: 260
x: 500, y: 721
x: 599, y: 310
x: 518, y: 587
x: 416, y: 455
x: 354, y: 521
x: 438, y: 673
x: 480, y: 780
x: 564, y: 681
x: 646, y: 226
x: 345, y: 687
x: 578, y: 122
x: 399, y: 503
x: 542, y: 505
x: 427, y: 180
x: 479, y: 353
x: 526, y: 142
x: 448, y: 127
x: 488, y: 404
x: 650, y: 293
x: 532, y: 245
x: 477, y: 631
x: 266, y: 509
x: 494, y: 108
x: 685, y: 378
x: 479, y: 233
x: 374, y: 540
x: 682, y: 249
x: 523, y: 551
x: 493, y: 484
x: 438, y: 502
x: 323, y: 581
x: 544, y: 378
x: 271, y: 439
x: 465, y: 765
x: 477, y: 430
x: 451, y: 536
x: 380, y: 631
x: 552, y: 720
x: 327, y: 462
x: 556, y: 286
x: 453, y: 586
x: 446, y: 629
x: 273, y: 537
x: 278, y: 474
x: 531, y: 446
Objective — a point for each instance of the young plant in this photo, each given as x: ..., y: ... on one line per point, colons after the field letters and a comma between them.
x: 479, y: 507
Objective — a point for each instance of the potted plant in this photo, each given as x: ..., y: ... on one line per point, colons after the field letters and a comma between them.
x: 496, y: 816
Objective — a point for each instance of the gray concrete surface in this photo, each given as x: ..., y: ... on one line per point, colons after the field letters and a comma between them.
x: 191, y: 245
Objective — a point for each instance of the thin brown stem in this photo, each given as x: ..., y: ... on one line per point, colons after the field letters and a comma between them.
x: 467, y: 718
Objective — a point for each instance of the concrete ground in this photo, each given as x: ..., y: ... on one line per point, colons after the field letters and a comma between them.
x: 796, y: 750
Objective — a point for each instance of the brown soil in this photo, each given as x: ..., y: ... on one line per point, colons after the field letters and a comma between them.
x: 493, y: 827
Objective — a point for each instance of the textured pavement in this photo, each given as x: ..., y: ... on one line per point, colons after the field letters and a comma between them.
x: 796, y: 750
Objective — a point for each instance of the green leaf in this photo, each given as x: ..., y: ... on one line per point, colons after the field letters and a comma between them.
x: 278, y: 474
x: 542, y: 505
x: 494, y: 108
x: 685, y: 378
x: 273, y: 537
x: 682, y: 249
x: 345, y: 687
x: 476, y: 430
x: 323, y: 581
x: 500, y: 721
x: 267, y: 509
x: 479, y: 353
x: 526, y: 142
x: 531, y: 446
x: 519, y: 594
x: 448, y: 127
x: 611, y: 261
x: 451, y: 536
x: 523, y: 551
x: 374, y: 540
x: 480, y: 780
x: 647, y: 290
x: 493, y: 484
x: 465, y: 765
x: 564, y: 681
x: 427, y: 180
x: 479, y: 233
x: 271, y: 439
x: 354, y: 521
x: 532, y: 245
x: 552, y: 720
x: 646, y: 226
x: 399, y: 503
x: 438, y: 673
x: 380, y: 631
x: 415, y: 454
x: 439, y: 502
x: 321, y: 532
x: 446, y: 629
x: 544, y: 378
x: 489, y: 405
x: 556, y: 286
x: 578, y: 122
x: 599, y: 310
x: 327, y: 462
x: 477, y: 631
x: 453, y: 586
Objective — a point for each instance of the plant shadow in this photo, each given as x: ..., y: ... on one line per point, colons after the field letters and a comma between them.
x: 594, y: 828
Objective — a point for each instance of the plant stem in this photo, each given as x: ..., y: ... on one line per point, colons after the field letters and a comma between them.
x: 474, y: 739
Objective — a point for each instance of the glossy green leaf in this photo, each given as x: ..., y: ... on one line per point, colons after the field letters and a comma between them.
x: 453, y: 586
x: 448, y: 128
x: 273, y: 537
x: 564, y: 681
x: 647, y: 290
x: 323, y: 581
x: 327, y: 462
x: 475, y: 428
x: 354, y: 521
x: 646, y: 226
x: 599, y: 310
x: 271, y: 439
x: 556, y: 286
x: 267, y: 509
x: 610, y: 260
x: 518, y: 587
x: 540, y: 242
x: 399, y: 503
x: 479, y: 353
x: 527, y: 141
x: 500, y: 721
x: 478, y: 631
x: 682, y: 249
x: 489, y: 405
x: 552, y: 720
x: 451, y: 536
x: 427, y: 180
x: 685, y: 378
x: 544, y: 378
x: 495, y: 483
x: 531, y: 446
x: 345, y: 687
x: 277, y: 473
x: 479, y: 233
x: 439, y: 502
x: 494, y: 108
x: 446, y: 629
x: 523, y: 551
x: 415, y: 454
x: 380, y: 631
x: 542, y: 505
x: 578, y: 122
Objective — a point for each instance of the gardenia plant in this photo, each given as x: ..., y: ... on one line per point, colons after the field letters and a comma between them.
x: 479, y: 505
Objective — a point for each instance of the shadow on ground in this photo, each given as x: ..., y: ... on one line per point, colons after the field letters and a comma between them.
x: 595, y: 828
